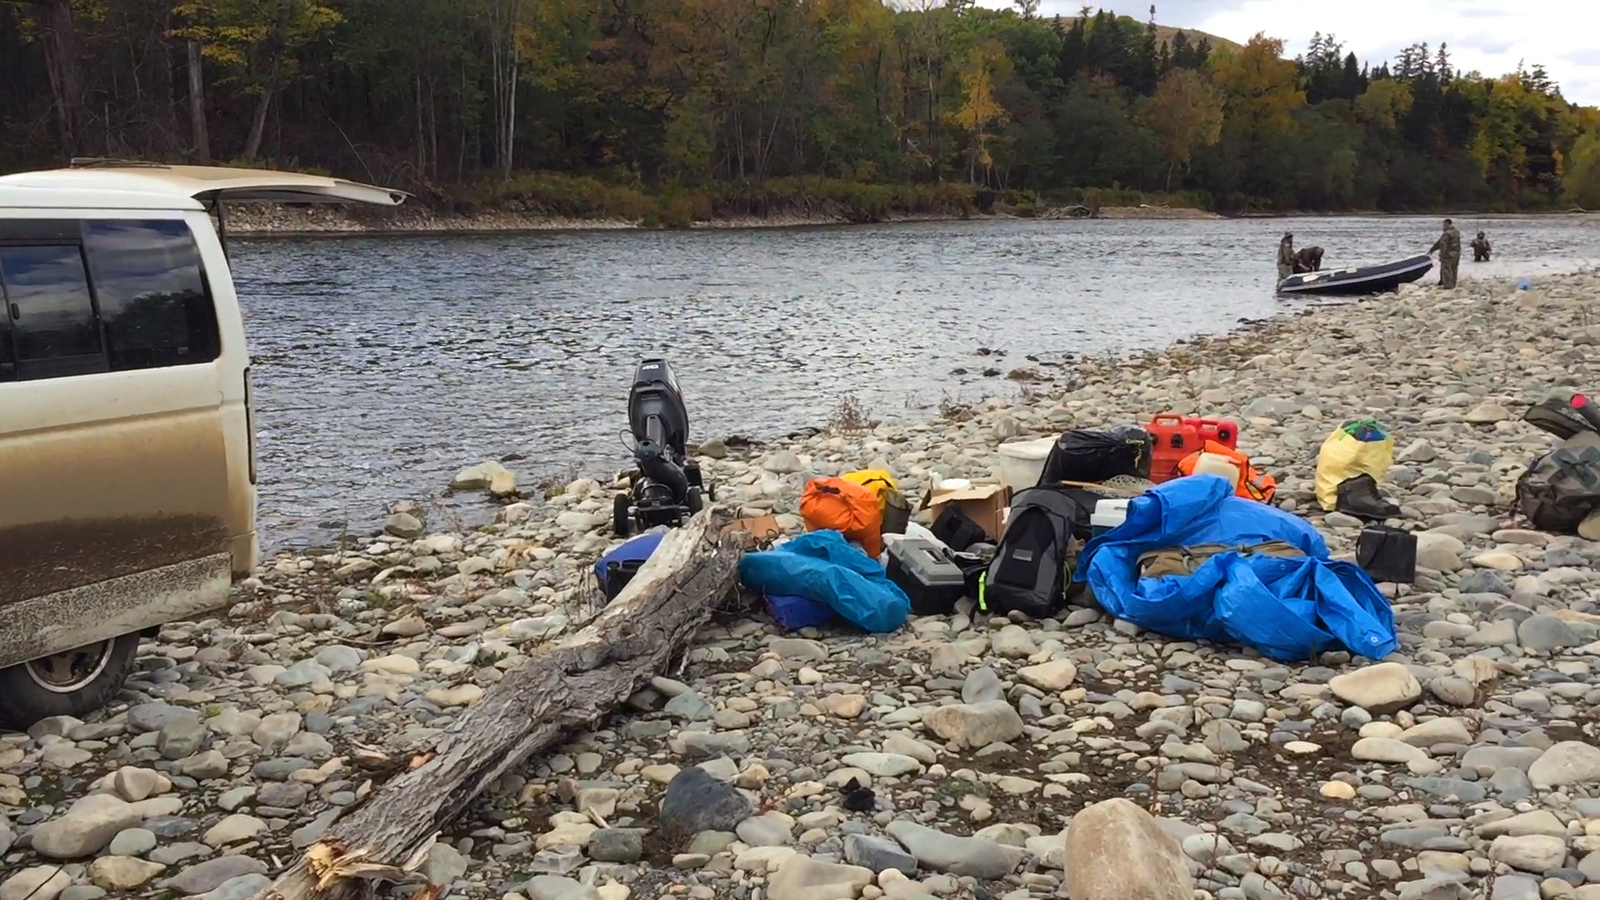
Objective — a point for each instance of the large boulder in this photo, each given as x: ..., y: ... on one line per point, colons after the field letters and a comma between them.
x: 486, y: 476
x: 698, y: 801
x: 1569, y: 762
x: 1529, y: 852
x: 804, y: 878
x: 86, y: 829
x: 975, y: 725
x: 1379, y: 689
x: 1050, y: 676
x: 973, y: 856
x: 1116, y: 851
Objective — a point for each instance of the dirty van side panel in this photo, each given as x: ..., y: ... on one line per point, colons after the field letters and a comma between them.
x: 113, y: 477
x: 237, y: 424
x: 114, y: 496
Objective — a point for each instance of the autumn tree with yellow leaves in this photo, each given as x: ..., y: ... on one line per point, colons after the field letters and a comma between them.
x: 979, y: 111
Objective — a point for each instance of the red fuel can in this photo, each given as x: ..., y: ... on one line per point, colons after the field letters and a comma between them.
x: 1173, y: 437
x: 1223, y: 431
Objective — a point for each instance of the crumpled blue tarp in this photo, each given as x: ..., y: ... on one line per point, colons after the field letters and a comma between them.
x: 823, y: 566
x: 1286, y: 608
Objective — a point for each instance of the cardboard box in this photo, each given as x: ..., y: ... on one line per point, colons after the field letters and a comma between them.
x: 985, y: 504
x: 760, y: 530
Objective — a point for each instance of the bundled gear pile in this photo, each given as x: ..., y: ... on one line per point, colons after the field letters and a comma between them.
x: 1202, y: 554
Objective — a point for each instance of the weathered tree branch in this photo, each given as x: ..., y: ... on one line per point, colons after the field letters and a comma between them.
x: 563, y: 687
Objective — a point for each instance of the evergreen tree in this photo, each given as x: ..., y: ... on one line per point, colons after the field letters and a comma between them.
x: 1074, y: 48
x: 1182, y: 52
x: 1539, y: 81
x: 1353, y: 81
x: 1146, y: 61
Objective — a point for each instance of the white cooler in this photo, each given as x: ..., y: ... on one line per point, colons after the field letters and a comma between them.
x: 1022, y: 462
x: 1108, y: 514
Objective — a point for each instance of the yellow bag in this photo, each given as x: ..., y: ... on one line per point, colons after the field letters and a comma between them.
x: 880, y: 483
x: 1345, y: 454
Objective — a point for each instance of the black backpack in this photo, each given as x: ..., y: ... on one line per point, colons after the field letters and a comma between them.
x: 1032, y: 564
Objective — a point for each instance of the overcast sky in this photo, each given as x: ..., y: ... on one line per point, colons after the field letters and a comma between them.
x: 1488, y: 35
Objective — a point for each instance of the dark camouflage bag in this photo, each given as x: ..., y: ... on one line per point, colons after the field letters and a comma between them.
x: 1561, y: 488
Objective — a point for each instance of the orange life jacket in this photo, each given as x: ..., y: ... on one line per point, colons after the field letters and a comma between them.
x: 1254, y: 484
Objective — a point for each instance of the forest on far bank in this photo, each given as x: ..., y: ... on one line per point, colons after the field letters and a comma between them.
x: 675, y: 110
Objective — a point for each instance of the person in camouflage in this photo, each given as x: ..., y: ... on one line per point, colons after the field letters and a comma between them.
x: 1286, y: 256
x: 1480, y: 248
x: 1449, y: 247
x: 1308, y: 259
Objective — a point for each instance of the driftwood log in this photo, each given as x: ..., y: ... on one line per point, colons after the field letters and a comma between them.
x: 563, y: 687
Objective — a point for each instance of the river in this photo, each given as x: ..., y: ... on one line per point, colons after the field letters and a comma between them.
x: 382, y: 364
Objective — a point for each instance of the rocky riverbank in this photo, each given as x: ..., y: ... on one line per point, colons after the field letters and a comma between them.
x: 1464, y: 766
x: 1153, y: 212
x: 277, y: 220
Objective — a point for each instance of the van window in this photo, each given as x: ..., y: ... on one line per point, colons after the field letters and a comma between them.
x: 54, y: 331
x: 151, y: 292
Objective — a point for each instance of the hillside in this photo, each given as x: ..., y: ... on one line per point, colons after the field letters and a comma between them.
x: 667, y: 113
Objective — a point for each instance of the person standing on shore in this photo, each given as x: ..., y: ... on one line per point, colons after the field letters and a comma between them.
x: 1286, y: 256
x: 1449, y: 247
x: 1480, y: 248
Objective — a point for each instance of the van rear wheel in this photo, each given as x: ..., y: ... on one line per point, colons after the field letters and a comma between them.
x: 73, y: 683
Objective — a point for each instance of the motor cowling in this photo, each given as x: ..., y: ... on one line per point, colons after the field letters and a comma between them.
x: 656, y: 411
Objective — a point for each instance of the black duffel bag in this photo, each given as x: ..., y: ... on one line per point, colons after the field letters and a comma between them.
x: 1092, y: 456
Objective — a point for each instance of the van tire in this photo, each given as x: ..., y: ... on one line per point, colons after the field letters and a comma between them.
x: 24, y: 698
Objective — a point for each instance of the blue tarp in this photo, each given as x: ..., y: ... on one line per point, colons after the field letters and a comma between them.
x: 1287, y: 608
x: 823, y: 566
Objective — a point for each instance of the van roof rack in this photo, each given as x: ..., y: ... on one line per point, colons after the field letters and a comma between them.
x: 98, y: 162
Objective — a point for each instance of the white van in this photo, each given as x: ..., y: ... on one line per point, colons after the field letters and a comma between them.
x: 127, y: 451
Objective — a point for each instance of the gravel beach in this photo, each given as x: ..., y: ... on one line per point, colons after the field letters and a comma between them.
x: 1463, y: 766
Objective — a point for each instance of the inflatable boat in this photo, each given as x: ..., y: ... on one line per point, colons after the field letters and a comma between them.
x: 1358, y: 280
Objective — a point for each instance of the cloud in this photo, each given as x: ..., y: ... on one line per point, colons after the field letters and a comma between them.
x: 1487, y: 44
x: 1520, y: 32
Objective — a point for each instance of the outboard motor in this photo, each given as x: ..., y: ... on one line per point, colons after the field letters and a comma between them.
x: 666, y: 487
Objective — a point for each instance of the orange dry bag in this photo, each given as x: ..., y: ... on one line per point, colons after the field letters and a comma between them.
x: 1254, y: 484
x: 845, y: 507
